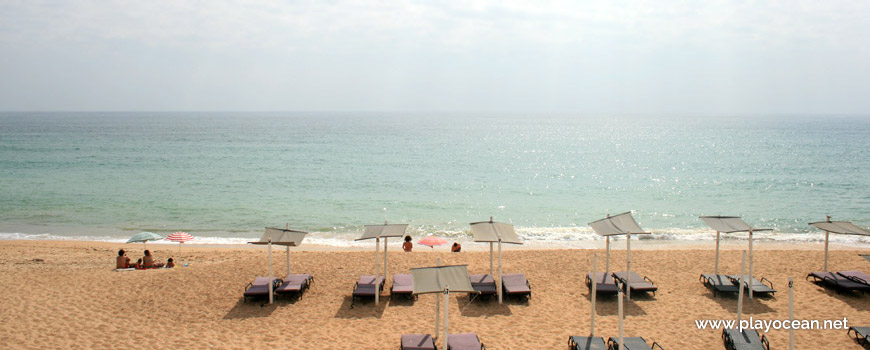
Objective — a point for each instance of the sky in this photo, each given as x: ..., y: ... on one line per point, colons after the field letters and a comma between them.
x: 631, y: 57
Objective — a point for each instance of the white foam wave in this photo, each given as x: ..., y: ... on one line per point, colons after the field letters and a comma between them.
x: 534, y: 236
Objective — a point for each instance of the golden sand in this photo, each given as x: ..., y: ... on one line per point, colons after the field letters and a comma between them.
x: 66, y: 295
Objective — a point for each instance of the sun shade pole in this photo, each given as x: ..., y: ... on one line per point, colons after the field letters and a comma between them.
x: 377, y: 267
x: 491, y: 274
x: 288, y: 260
x: 437, y: 305
x: 750, y: 263
x: 490, y: 259
x: 826, y: 250
x: 594, y: 292
x: 740, y: 292
x: 499, y: 287
x: 385, y: 258
x: 790, y: 313
x: 446, y: 315
x: 716, y: 268
x: 607, y: 264
x: 628, y: 265
x: 621, y: 340
x: 271, y: 275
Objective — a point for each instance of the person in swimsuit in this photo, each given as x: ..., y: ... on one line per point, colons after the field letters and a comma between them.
x: 123, y: 261
x: 148, y: 261
x: 407, y: 246
x: 456, y: 248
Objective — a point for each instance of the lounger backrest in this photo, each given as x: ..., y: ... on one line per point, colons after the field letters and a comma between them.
x: 403, y: 279
x: 514, y: 279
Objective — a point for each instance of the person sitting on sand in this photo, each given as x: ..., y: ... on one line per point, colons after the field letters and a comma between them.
x: 138, y: 264
x: 456, y: 248
x: 123, y: 261
x: 407, y: 246
x: 148, y: 261
x: 170, y: 263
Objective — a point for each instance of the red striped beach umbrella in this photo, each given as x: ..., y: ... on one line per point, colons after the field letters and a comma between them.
x: 179, y: 237
x: 432, y: 241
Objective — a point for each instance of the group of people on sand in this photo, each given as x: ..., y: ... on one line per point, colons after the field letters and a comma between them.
x: 145, y: 262
x: 408, y: 246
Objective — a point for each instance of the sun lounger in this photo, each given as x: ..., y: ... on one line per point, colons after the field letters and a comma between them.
x: 856, y: 276
x: 605, y: 284
x: 861, y: 334
x: 516, y: 284
x: 757, y: 286
x: 464, y: 341
x: 418, y: 342
x: 586, y: 343
x: 631, y: 343
x: 483, y: 284
x: 746, y: 340
x: 403, y: 284
x: 295, y: 284
x: 366, y: 288
x: 719, y: 283
x: 260, y: 287
x: 636, y: 282
x: 837, y: 282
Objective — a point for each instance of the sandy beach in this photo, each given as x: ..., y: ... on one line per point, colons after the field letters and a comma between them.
x: 66, y: 295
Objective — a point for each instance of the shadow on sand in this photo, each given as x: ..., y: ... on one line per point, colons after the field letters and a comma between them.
x: 361, y: 308
x: 477, y: 306
x: 252, y: 309
x: 728, y: 302
x: 854, y: 299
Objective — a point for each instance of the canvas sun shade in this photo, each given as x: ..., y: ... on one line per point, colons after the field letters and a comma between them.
x: 280, y: 236
x: 619, y: 224
x: 840, y: 227
x: 380, y: 231
x: 489, y: 231
x: 437, y: 279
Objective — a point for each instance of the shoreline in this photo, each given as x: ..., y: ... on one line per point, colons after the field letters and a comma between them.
x: 618, y: 245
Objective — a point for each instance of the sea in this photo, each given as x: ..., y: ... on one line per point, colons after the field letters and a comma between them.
x: 223, y: 177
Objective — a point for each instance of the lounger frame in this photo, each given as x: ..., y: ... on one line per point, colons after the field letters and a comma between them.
x: 838, y: 283
x: 861, y: 335
x: 295, y: 293
x: 595, y: 343
x: 609, y: 288
x: 757, y: 288
x: 358, y: 297
x: 613, y: 344
x: 626, y: 283
x: 707, y: 280
x: 731, y: 345
x: 526, y: 295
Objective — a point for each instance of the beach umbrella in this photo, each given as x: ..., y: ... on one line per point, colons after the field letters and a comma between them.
x: 731, y: 224
x: 494, y: 232
x: 432, y: 241
x: 277, y: 236
x: 144, y: 237
x: 841, y: 227
x: 377, y: 232
x: 620, y: 224
x: 179, y: 237
x: 441, y: 279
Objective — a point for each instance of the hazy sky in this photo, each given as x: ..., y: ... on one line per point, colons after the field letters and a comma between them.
x: 711, y: 57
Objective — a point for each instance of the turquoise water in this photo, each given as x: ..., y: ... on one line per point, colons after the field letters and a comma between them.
x: 226, y: 175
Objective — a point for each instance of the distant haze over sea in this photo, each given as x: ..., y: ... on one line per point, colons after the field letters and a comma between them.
x: 227, y: 175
